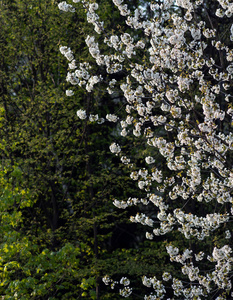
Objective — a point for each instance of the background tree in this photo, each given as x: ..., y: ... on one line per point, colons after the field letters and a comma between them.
x: 60, y: 233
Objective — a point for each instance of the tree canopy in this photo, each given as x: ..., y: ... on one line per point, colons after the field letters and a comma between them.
x: 116, y: 169
x: 172, y: 64
x: 60, y: 232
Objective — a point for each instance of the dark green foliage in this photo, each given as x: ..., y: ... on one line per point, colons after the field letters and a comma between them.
x: 60, y: 232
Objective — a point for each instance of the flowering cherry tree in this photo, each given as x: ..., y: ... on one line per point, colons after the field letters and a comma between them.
x: 177, y: 61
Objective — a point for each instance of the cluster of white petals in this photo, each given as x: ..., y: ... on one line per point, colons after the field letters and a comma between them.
x: 115, y: 148
x: 81, y: 114
x: 111, y: 118
x: 69, y: 93
x: 124, y: 291
x: 66, y: 7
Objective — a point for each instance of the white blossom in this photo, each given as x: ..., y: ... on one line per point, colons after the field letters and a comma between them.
x: 149, y: 160
x: 111, y: 118
x: 81, y: 114
x: 115, y: 148
x: 69, y: 93
x: 66, y: 7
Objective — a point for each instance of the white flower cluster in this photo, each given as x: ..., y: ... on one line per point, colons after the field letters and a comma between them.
x: 143, y: 219
x: 81, y: 75
x: 157, y: 286
x: 123, y: 8
x: 111, y: 118
x: 220, y: 275
x: 81, y: 114
x: 115, y: 148
x: 66, y: 7
x: 67, y: 52
x: 120, y: 204
x: 126, y: 291
x: 149, y: 160
x: 69, y: 93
